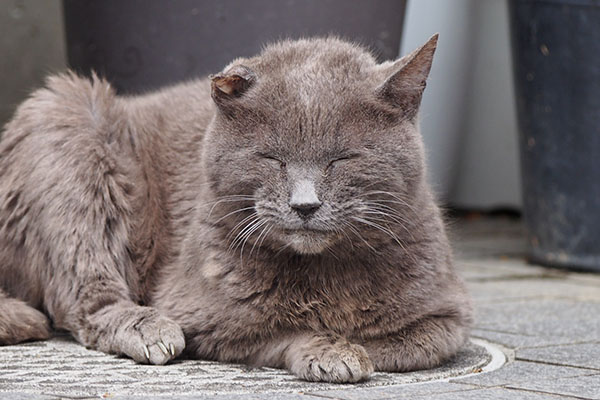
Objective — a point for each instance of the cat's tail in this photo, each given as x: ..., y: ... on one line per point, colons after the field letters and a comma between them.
x: 20, y: 322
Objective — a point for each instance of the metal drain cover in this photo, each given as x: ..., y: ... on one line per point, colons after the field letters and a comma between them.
x: 62, y: 367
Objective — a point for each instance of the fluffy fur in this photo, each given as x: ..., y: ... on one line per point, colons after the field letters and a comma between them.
x: 275, y: 214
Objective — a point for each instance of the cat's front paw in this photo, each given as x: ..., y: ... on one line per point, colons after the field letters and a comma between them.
x: 150, y: 338
x: 20, y: 322
x: 340, y: 363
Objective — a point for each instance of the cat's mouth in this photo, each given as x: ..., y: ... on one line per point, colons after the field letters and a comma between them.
x: 309, y: 241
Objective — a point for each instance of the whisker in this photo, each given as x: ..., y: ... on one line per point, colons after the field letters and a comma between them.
x: 379, y: 204
x: 357, y: 233
x: 399, y: 200
x: 338, y: 230
x: 332, y: 253
x: 227, y: 200
x: 256, y: 227
x: 233, y: 197
x: 388, y: 215
x: 375, y: 225
x: 232, y: 213
x: 377, y: 182
x: 282, y: 248
x: 254, y: 214
x: 386, y: 231
x: 267, y: 227
x: 243, y: 231
x: 382, y: 211
x: 242, y: 235
x: 266, y: 234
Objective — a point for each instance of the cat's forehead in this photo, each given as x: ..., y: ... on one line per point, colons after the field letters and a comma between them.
x: 309, y: 75
x: 308, y: 89
x: 328, y: 63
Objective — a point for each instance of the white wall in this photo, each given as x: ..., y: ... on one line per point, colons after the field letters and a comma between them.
x: 445, y: 99
x: 468, y: 114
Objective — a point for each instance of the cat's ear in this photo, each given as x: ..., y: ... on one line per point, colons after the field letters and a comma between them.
x: 406, y: 78
x: 231, y: 84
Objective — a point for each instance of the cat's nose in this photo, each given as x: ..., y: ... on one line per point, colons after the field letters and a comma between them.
x: 305, y: 209
x: 304, y: 199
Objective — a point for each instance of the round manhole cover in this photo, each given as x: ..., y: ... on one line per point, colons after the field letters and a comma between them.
x: 62, y: 367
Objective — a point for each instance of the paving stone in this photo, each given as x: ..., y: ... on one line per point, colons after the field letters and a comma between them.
x: 588, y: 279
x: 515, y: 340
x: 490, y: 248
x: 495, y: 269
x: 247, y: 396
x: 273, y: 396
x: 488, y: 238
x: 585, y: 355
x: 395, y: 392
x: 522, y: 371
x: 495, y: 394
x: 583, y: 387
x: 467, y: 394
x: 563, y: 318
x: 488, y: 227
x: 539, y: 288
x: 25, y: 396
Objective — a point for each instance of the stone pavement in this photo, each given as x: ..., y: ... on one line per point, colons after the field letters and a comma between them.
x: 544, y: 323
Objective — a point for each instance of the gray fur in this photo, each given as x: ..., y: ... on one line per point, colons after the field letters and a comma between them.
x: 285, y: 222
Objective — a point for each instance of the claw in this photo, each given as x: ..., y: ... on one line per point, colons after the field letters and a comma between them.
x: 163, y: 348
x: 172, y: 349
x: 147, y: 352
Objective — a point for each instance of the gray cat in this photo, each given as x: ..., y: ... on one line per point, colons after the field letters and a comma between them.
x: 275, y: 214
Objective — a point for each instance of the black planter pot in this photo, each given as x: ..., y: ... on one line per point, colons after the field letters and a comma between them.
x: 144, y: 44
x: 556, y: 55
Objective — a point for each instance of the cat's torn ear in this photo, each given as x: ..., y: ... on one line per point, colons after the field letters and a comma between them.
x: 232, y: 83
x: 406, y: 78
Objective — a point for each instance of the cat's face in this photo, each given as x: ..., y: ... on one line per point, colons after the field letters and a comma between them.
x: 314, y: 145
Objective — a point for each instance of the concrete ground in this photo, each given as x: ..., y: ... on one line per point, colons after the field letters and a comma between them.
x: 536, y: 336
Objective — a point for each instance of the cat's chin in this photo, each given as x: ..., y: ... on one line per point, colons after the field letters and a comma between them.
x: 309, y: 242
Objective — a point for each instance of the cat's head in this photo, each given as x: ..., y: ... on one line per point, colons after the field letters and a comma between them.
x: 315, y: 144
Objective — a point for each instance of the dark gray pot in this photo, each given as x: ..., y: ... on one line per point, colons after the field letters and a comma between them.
x: 556, y: 55
x: 144, y: 44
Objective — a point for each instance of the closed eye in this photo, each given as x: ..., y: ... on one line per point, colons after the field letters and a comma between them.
x: 273, y: 161
x: 345, y: 157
